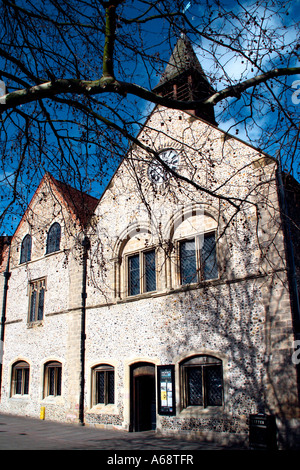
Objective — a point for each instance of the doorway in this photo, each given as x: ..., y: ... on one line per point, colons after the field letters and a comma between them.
x: 142, y: 397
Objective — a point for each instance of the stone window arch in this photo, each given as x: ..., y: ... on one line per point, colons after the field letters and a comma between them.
x: 52, y: 378
x: 26, y: 249
x: 103, y: 384
x: 201, y: 381
x: 20, y: 378
x: 194, y: 242
x: 136, y: 263
x: 53, y: 238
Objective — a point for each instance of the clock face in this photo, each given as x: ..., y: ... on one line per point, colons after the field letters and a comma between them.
x: 156, y: 172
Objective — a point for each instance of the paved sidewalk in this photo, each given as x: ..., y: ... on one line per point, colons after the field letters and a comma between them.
x: 22, y: 433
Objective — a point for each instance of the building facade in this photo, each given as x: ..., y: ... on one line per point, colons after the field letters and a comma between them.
x: 170, y: 303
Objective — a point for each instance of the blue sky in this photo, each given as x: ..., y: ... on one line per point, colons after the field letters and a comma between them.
x: 157, y: 41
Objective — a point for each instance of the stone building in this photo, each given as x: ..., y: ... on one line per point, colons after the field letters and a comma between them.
x: 169, y: 304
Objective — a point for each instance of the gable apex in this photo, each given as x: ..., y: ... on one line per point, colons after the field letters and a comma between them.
x: 80, y: 205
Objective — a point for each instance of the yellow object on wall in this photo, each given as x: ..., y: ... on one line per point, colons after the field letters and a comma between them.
x: 42, y: 413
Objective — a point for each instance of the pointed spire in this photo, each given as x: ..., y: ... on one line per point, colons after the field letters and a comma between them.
x: 185, y: 80
x: 182, y: 59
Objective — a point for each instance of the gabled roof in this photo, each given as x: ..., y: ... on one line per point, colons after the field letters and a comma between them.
x: 80, y: 204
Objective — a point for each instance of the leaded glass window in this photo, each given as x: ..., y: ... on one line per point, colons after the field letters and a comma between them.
x: 104, y: 385
x: 134, y: 274
x: 188, y: 268
x: 53, y: 238
x: 26, y: 249
x: 53, y: 376
x: 198, y: 259
x: 202, y: 381
x: 194, y: 386
x: 213, y: 379
x: 208, y: 257
x: 142, y: 272
x: 150, y: 271
x: 36, y: 300
x: 100, y: 386
x: 20, y: 378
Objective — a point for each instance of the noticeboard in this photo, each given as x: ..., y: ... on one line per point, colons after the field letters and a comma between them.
x: 166, y: 390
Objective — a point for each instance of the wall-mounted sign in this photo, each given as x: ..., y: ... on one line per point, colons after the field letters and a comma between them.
x: 166, y: 390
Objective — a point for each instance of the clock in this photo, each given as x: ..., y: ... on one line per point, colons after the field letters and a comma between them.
x: 156, y: 173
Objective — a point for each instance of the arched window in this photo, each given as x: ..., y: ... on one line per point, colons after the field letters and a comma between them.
x: 103, y: 386
x: 20, y: 378
x: 26, y: 249
x: 52, y: 379
x: 195, y: 237
x: 202, y: 381
x: 138, y: 263
x: 198, y: 259
x: 53, y: 238
x: 141, y: 272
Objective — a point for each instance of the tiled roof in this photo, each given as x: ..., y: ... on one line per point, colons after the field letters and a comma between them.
x: 82, y: 204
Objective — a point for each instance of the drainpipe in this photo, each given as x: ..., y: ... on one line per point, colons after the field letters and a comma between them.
x: 3, y: 317
x: 85, y: 245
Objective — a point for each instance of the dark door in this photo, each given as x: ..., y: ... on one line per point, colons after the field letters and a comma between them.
x: 143, y: 404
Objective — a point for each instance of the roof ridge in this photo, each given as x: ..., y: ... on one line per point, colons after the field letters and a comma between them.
x: 59, y: 182
x: 81, y: 203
